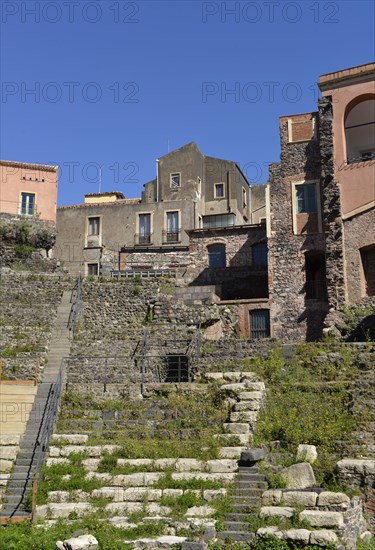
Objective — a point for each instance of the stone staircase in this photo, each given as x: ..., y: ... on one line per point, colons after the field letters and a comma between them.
x: 19, y: 486
x: 246, y: 502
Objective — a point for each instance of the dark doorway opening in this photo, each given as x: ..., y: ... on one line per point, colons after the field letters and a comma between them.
x: 178, y: 368
x: 315, y: 270
x: 259, y: 324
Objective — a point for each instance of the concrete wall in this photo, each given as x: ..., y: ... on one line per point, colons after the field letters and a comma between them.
x: 19, y: 177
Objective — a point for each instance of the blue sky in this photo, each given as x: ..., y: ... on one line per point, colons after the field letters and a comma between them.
x: 115, y: 83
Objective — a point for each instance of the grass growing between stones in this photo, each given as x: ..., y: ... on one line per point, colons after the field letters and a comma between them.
x: 26, y: 536
x: 54, y: 478
x: 308, y: 402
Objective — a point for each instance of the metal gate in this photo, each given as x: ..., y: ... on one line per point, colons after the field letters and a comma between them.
x: 259, y: 324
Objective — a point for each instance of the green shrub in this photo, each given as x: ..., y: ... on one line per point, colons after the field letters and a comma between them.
x: 23, y: 250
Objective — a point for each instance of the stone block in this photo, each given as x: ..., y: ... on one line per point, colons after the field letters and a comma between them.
x: 253, y: 455
x: 62, y: 510
x: 251, y: 396
x: 276, y: 512
x: 4, y: 478
x: 271, y: 497
x: 187, y: 545
x: 222, y: 466
x: 91, y: 464
x: 5, y: 465
x: 9, y: 452
x: 233, y: 389
x: 230, y: 452
x: 211, y: 494
x: 299, y: 498
x: 200, y: 511
x: 323, y: 537
x: 165, y: 463
x: 213, y: 376
x: 328, y: 498
x: 9, y: 439
x: 235, y: 439
x: 172, y: 493
x: 83, y: 542
x: 307, y: 453
x: 134, y: 462
x: 319, y: 518
x: 72, y: 439
x: 301, y: 536
x: 236, y: 428
x: 53, y: 452
x: 188, y: 464
x: 265, y: 532
x: 299, y: 476
x: 232, y: 376
x: 138, y: 494
x: 116, y: 494
x: 244, y: 416
x: 53, y: 461
x: 107, y: 478
x: 255, y: 386
x: 247, y: 406
x: 92, y: 451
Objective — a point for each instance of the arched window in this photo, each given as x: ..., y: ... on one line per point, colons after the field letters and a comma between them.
x: 360, y: 132
x: 216, y: 255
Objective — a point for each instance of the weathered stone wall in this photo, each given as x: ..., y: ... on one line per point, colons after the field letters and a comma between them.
x: 292, y: 317
x: 17, y: 233
x: 331, y: 208
x: 175, y: 259
x: 29, y: 304
x: 357, y: 234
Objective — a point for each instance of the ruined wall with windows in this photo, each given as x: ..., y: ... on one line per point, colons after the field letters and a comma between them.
x: 296, y: 243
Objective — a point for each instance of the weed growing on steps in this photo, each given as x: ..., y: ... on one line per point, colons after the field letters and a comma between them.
x: 52, y: 478
x: 167, y: 482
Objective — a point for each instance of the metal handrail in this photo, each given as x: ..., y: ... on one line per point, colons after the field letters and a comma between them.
x: 76, y: 305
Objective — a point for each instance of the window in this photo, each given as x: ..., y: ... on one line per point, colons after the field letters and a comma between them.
x: 216, y: 255
x: 307, y: 216
x: 259, y: 254
x: 219, y: 191
x: 360, y: 132
x: 92, y: 269
x: 306, y: 198
x: 172, y: 227
x: 368, y: 267
x: 28, y: 204
x: 144, y: 228
x: 315, y: 273
x: 259, y: 324
x: 175, y: 181
x: 94, y: 226
x: 219, y: 220
x: 178, y: 368
x: 244, y: 198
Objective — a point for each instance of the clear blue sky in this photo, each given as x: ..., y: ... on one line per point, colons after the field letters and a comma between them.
x: 115, y: 81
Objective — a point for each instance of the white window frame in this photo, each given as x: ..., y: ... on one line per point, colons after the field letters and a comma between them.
x: 295, y: 184
x: 219, y: 185
x: 27, y: 194
x: 172, y: 184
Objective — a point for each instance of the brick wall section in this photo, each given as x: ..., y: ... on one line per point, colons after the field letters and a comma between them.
x: 331, y: 209
x: 292, y: 318
x: 357, y: 234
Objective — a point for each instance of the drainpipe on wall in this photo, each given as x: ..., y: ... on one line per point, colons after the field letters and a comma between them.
x: 228, y: 191
x: 157, y: 180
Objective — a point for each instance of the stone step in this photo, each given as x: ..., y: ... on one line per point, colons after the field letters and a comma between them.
x: 239, y: 536
x: 239, y: 517
x: 244, y: 508
x: 237, y: 526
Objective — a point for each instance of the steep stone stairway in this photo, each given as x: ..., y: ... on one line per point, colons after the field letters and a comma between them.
x: 29, y: 456
x: 245, y: 503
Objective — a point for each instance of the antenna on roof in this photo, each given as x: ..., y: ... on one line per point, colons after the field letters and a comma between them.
x: 168, y: 145
x: 100, y: 178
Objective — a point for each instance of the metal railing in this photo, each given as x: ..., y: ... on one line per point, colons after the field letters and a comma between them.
x: 75, y: 300
x: 143, y: 239
x: 171, y: 236
x: 46, y: 426
x: 143, y: 273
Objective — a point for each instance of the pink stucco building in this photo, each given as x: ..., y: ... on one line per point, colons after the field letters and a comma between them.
x: 28, y: 190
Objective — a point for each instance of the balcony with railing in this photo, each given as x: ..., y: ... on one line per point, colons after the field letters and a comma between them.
x: 143, y: 239
x: 171, y: 236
